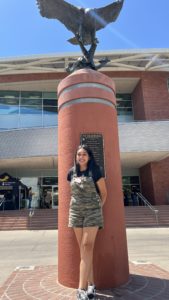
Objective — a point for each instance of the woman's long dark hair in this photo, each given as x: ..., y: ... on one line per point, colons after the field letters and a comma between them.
x: 91, y: 163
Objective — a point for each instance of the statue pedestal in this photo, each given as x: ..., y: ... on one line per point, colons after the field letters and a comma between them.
x: 87, y: 105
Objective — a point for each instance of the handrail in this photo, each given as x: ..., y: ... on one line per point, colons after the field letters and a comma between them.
x: 2, y: 202
x: 148, y: 204
x: 31, y: 215
x: 31, y: 212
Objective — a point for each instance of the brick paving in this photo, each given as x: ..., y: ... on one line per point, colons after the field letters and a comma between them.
x: 146, y: 282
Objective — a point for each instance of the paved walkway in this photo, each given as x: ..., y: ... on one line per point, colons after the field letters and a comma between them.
x: 147, y: 281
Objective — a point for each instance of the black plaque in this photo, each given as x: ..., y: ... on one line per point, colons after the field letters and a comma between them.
x: 95, y: 142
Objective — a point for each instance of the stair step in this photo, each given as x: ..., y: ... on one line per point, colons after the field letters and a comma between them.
x: 141, y: 216
x: 42, y: 219
x: 20, y: 220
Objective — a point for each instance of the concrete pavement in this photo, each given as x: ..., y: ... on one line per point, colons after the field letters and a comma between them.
x: 149, y: 245
x: 39, y: 248
x: 25, y: 248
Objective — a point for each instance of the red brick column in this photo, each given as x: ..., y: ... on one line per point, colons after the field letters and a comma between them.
x: 87, y: 105
x: 155, y: 182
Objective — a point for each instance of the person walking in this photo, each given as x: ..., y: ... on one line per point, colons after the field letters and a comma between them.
x: 88, y: 195
x: 30, y: 194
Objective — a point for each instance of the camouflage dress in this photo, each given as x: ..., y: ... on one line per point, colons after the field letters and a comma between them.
x: 85, y: 205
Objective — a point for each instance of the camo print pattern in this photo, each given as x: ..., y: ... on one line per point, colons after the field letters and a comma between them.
x: 85, y: 205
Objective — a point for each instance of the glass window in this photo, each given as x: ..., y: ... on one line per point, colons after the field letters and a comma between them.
x: 130, y: 179
x: 134, y: 180
x: 50, y: 95
x: 31, y: 182
x: 124, y: 107
x: 50, y: 116
x: 9, y: 109
x: 123, y: 96
x: 123, y: 103
x: 50, y: 119
x: 50, y: 102
x: 9, y: 102
x: 126, y: 179
x: 6, y: 109
x: 50, y: 109
x: 128, y: 183
x: 27, y: 120
x: 31, y: 110
x: 9, y: 105
x: 9, y: 94
x: 31, y: 101
x: 31, y: 94
x: 50, y: 181
x: 28, y: 109
x: 30, y: 116
x: 125, y: 111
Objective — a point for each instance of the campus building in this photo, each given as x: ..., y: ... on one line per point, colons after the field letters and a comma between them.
x: 28, y: 121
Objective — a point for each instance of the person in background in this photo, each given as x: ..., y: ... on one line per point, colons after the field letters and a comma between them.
x: 48, y: 199
x: 30, y: 194
x: 126, y: 198
x: 88, y: 195
x: 134, y: 196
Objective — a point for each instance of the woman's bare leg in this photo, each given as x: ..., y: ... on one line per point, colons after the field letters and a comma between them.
x: 91, y: 276
x: 86, y: 240
x: 79, y: 234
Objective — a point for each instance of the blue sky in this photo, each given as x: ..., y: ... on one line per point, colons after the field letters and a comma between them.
x: 142, y: 24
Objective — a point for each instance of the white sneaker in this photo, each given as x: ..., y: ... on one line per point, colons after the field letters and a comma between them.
x: 82, y: 295
x: 91, y: 291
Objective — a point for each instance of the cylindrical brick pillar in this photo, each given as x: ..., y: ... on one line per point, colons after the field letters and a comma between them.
x: 87, y: 105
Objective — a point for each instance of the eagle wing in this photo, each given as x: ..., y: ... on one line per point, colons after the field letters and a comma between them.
x: 65, y: 12
x: 107, y: 14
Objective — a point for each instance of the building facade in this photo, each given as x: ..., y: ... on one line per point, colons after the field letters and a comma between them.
x: 28, y: 121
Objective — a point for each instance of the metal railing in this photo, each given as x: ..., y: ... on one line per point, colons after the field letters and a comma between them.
x: 31, y: 212
x: 148, y: 204
x: 2, y: 202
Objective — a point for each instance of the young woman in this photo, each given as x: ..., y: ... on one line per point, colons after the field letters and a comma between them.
x: 88, y: 195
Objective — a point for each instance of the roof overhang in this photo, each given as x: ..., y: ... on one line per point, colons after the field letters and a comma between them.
x: 123, y: 85
x: 120, y: 60
x: 128, y: 161
x: 44, y: 162
x: 131, y: 160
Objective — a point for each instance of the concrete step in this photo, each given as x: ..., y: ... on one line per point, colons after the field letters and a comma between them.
x: 21, y: 220
x: 138, y: 216
x: 141, y: 216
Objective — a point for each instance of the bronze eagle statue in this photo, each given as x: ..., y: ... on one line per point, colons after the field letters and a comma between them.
x: 83, y: 22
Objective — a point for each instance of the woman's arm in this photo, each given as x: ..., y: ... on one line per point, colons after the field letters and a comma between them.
x: 102, y: 189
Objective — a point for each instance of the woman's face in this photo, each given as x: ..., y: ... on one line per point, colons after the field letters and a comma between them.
x: 82, y: 157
